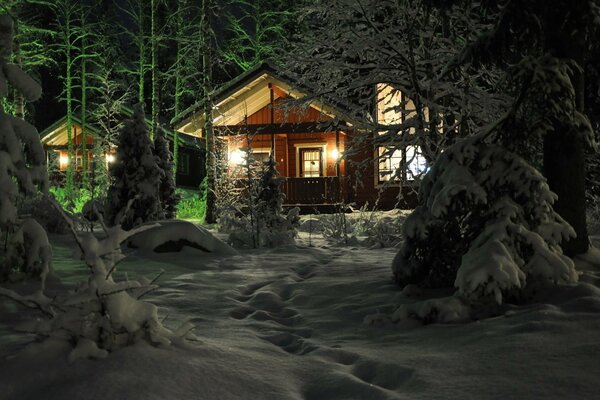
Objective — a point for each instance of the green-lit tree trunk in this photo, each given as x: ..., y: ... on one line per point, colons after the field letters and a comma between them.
x: 210, y: 215
x: 83, y: 74
x: 141, y: 52
x: 178, y: 82
x: 154, y: 67
x: 68, y: 47
x: 19, y: 99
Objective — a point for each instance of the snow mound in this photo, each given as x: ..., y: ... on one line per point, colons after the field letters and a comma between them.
x: 172, y: 235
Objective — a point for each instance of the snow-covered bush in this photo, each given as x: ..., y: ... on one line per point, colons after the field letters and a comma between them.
x: 484, y: 224
x: 41, y: 209
x: 135, y: 175
x: 336, y: 226
x: 101, y: 315
x: 380, y: 231
x: 29, y: 253
x: 261, y: 220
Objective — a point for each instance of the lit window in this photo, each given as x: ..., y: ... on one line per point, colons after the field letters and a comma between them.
x: 389, y: 163
x: 311, y: 162
x: 390, y: 166
x: 416, y: 164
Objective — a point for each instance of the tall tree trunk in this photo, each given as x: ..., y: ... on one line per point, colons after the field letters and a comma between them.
x: 19, y: 98
x: 210, y: 214
x: 178, y: 83
x: 84, y: 151
x: 69, y: 186
x: 564, y: 167
x: 154, y: 66
x: 141, y: 53
x: 564, y: 155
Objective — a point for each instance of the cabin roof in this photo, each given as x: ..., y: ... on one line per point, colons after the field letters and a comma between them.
x: 56, y: 133
x: 245, y: 95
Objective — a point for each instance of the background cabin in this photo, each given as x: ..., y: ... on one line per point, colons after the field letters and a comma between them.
x: 190, y: 168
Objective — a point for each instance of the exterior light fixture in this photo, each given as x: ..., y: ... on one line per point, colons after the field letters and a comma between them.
x: 63, y: 159
x: 110, y: 158
x: 335, y: 154
x: 236, y: 157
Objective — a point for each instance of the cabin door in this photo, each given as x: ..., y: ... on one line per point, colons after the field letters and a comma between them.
x: 311, y: 162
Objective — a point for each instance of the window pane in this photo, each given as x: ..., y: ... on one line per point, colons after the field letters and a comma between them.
x: 389, y: 163
x: 311, y: 163
x: 416, y: 164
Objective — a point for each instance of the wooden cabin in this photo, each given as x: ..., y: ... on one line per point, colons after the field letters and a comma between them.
x: 190, y: 169
x: 260, y: 110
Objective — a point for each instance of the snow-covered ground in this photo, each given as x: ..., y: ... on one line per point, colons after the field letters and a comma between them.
x: 287, y: 323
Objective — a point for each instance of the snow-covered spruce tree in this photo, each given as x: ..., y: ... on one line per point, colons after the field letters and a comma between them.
x: 484, y: 224
x: 22, y: 166
x: 277, y: 228
x: 166, y: 191
x: 135, y: 175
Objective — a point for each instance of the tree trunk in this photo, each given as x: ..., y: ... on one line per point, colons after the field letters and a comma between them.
x: 564, y: 155
x: 564, y: 167
x: 210, y: 215
x: 154, y: 66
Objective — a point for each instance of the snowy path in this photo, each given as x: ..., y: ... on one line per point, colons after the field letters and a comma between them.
x: 286, y: 323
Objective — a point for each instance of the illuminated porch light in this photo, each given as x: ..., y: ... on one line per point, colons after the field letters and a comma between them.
x: 110, y: 158
x: 236, y: 157
x: 63, y: 159
x: 335, y: 154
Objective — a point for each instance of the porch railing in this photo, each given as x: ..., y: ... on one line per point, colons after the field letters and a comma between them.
x: 321, y: 190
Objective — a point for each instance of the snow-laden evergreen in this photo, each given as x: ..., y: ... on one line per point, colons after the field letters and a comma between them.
x: 29, y: 253
x: 166, y: 192
x: 22, y: 158
x: 484, y: 224
x: 135, y: 175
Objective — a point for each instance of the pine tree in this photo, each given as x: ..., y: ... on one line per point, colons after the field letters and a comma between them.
x: 22, y: 158
x: 166, y: 192
x: 22, y: 163
x: 135, y: 175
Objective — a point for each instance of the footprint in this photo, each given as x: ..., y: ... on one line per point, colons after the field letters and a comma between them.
x: 388, y: 376
x: 304, y: 272
x: 339, y: 356
x: 290, y: 343
x: 241, y: 312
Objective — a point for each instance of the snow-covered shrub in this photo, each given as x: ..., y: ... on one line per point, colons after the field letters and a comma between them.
x: 135, y: 175
x: 261, y: 220
x: 169, y: 198
x: 380, y: 231
x: 102, y: 314
x: 484, y: 224
x: 29, y: 253
x: 41, y: 209
x: 336, y: 226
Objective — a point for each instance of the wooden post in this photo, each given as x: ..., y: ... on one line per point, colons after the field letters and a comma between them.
x: 272, y: 98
